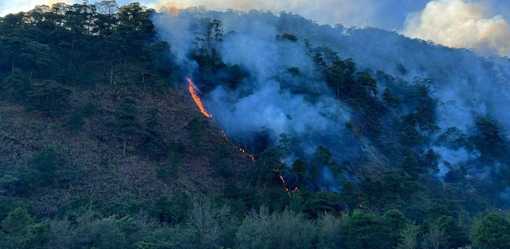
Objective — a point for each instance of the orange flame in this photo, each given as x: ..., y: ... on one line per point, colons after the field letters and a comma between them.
x: 193, y: 91
x: 286, y: 186
x: 246, y: 153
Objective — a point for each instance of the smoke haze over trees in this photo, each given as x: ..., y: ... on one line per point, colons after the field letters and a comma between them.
x: 321, y: 136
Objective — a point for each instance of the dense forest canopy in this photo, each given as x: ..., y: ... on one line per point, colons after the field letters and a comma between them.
x: 102, y: 146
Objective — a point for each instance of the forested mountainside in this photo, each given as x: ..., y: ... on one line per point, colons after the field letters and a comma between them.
x: 123, y: 127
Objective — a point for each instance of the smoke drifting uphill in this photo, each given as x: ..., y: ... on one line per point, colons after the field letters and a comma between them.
x: 269, y: 87
x: 280, y: 93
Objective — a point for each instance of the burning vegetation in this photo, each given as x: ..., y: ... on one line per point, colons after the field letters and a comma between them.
x: 193, y: 90
x: 195, y: 95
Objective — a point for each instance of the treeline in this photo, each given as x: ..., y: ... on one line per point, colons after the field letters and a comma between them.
x: 46, y: 51
x: 199, y: 223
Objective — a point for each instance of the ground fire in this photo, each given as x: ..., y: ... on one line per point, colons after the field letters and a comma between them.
x: 286, y: 186
x: 193, y: 91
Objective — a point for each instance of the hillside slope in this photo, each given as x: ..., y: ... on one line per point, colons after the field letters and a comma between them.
x: 109, y: 129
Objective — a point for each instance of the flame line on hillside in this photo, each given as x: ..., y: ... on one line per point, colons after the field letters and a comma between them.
x: 286, y: 186
x: 193, y: 91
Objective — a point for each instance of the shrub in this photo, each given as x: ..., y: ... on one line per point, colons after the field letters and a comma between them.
x: 328, y: 228
x: 362, y: 230
x: 172, y: 210
x: 91, y: 230
x: 286, y: 230
x: 20, y: 231
x: 48, y: 97
x: 492, y: 231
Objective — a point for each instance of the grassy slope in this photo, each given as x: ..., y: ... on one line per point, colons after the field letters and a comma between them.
x: 105, y: 175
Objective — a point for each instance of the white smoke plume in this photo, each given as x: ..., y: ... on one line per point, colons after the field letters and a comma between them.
x: 461, y: 24
x: 264, y: 103
x: 465, y: 85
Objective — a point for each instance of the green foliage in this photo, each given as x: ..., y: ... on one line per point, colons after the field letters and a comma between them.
x: 390, y: 99
x: 16, y: 86
x: 90, y: 230
x: 391, y: 189
x: 455, y: 235
x: 172, y: 210
x: 287, y: 37
x: 83, y: 44
x: 492, y: 231
x: 328, y: 231
x: 356, y: 88
x: 8, y: 204
x: 425, y: 116
x: 16, y: 221
x: 77, y: 118
x: 362, y: 230
x: 48, y: 97
x: 45, y: 165
x: 222, y: 164
x: 281, y: 230
x: 196, y: 130
x: 19, y: 231
x: 170, y: 170
x: 317, y: 204
x: 409, y: 237
x: 45, y: 169
x: 126, y: 125
x: 489, y: 139
x: 207, y: 226
x: 166, y: 238
x: 299, y: 168
x: 153, y: 145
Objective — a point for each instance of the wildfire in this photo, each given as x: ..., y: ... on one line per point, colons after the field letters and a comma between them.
x: 286, y: 186
x: 193, y: 91
x: 246, y: 153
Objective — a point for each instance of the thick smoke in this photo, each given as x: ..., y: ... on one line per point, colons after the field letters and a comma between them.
x: 254, y: 46
x: 461, y: 24
x: 266, y: 103
x: 465, y: 85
